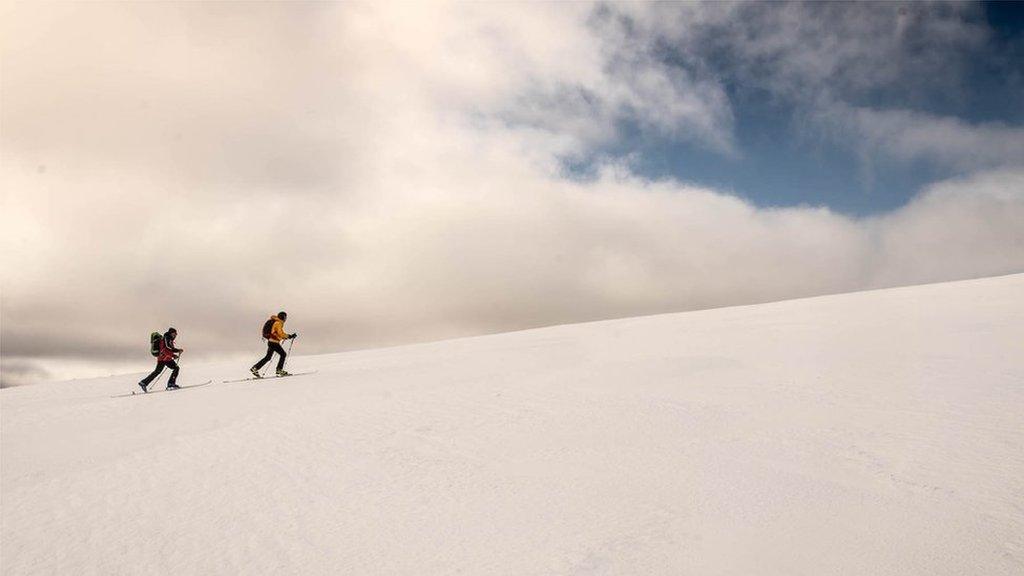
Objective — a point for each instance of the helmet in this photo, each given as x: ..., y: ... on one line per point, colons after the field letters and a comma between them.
x: 172, y: 329
x: 282, y: 315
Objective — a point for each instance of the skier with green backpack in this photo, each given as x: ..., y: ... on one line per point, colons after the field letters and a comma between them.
x: 162, y: 346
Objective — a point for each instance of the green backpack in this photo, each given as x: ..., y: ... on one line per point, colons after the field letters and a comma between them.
x: 154, y: 343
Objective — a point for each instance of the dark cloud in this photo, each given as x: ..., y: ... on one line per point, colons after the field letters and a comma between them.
x: 18, y: 372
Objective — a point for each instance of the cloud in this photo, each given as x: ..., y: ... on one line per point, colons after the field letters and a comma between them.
x: 906, y: 135
x: 962, y: 227
x: 394, y: 173
x: 571, y: 71
x: 810, y: 51
x: 18, y: 372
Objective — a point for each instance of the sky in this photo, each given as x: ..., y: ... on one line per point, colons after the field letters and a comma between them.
x: 399, y: 172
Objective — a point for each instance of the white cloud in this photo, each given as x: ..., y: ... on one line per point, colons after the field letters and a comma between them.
x: 905, y: 135
x: 963, y: 227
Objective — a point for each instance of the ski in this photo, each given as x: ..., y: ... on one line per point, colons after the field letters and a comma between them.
x: 141, y: 393
x: 251, y: 378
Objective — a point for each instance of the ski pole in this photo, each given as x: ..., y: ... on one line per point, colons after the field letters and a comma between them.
x: 177, y: 360
x: 154, y: 382
x: 158, y: 379
x: 291, y: 341
x: 263, y: 370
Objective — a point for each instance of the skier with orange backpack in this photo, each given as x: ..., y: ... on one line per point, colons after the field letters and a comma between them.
x: 273, y: 331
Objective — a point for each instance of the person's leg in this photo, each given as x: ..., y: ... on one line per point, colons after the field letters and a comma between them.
x: 174, y: 372
x: 152, y: 375
x: 270, y: 354
x: 282, y: 355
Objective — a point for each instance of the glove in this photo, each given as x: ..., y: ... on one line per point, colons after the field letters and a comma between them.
x: 295, y: 335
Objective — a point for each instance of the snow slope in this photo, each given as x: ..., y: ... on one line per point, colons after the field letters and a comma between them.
x: 870, y: 433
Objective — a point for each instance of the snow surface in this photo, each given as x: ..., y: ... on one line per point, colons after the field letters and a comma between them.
x: 869, y: 433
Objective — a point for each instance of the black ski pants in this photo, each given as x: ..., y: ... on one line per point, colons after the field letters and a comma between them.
x: 160, y: 368
x: 271, y: 348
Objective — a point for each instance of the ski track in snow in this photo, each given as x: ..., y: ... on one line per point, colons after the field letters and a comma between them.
x: 869, y: 433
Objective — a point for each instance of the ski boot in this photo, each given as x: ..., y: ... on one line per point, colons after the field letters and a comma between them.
x: 172, y: 386
x: 143, y: 385
x: 282, y: 373
x: 255, y: 372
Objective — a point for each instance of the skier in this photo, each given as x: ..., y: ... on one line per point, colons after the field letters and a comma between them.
x: 273, y: 331
x: 168, y: 355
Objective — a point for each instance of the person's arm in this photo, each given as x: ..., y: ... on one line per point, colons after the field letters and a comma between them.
x: 170, y: 346
x: 278, y: 331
